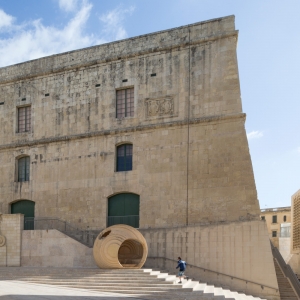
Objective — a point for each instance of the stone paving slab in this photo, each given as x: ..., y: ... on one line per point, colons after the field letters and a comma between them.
x: 14, y: 290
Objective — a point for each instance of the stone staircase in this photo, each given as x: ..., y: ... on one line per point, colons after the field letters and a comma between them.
x: 143, y: 283
x: 285, y: 289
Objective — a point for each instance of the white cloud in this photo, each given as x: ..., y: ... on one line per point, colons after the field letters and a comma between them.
x: 5, y: 19
x: 254, y: 135
x: 31, y: 40
x: 68, y: 5
x: 113, y: 22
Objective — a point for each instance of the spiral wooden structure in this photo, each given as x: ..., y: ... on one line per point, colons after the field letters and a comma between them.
x: 120, y: 246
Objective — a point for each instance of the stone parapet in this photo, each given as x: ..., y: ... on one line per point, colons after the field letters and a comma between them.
x: 141, y: 45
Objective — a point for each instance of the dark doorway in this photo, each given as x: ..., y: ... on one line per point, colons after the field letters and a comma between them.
x: 130, y: 253
x: 25, y: 207
x: 124, y: 209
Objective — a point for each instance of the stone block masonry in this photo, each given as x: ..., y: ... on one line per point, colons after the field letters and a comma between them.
x: 190, y: 161
x: 51, y: 248
x: 11, y: 227
x: 235, y: 255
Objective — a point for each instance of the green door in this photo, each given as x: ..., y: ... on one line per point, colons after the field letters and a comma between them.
x: 25, y: 207
x: 124, y: 209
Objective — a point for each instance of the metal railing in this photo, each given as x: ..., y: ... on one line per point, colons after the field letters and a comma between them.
x: 132, y: 220
x: 287, y: 270
x: 220, y: 273
x: 86, y: 237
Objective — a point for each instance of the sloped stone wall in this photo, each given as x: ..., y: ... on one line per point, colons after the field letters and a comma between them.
x: 239, y: 253
x: 51, y: 248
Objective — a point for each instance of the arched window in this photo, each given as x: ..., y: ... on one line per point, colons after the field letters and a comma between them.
x: 23, y: 169
x: 284, y: 218
x: 124, y: 157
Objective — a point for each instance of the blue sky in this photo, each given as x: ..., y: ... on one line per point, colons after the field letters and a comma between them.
x: 268, y: 54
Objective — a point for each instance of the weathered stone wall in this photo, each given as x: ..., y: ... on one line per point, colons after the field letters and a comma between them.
x: 239, y: 253
x: 191, y: 162
x: 11, y: 227
x: 72, y: 180
x: 51, y: 248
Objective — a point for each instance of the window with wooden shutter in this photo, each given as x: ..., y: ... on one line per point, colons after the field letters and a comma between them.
x: 124, y: 158
x: 24, y: 119
x: 125, y: 103
x: 23, y: 169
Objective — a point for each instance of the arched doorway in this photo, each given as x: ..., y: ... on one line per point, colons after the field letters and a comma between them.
x: 124, y: 209
x: 25, y: 207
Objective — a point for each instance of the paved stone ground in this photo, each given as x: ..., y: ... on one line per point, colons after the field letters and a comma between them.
x: 14, y: 290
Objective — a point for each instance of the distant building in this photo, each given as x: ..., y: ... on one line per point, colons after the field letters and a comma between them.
x: 278, y: 222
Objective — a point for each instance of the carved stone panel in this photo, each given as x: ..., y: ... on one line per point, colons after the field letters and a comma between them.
x: 160, y: 107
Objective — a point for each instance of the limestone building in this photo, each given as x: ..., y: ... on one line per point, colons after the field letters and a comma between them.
x: 278, y: 221
x: 148, y: 131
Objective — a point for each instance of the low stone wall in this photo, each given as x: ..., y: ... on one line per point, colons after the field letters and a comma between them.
x: 11, y: 227
x: 51, y: 248
x: 239, y: 253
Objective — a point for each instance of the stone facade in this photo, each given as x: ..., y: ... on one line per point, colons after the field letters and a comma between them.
x: 191, y: 162
x: 11, y: 227
x: 295, y: 242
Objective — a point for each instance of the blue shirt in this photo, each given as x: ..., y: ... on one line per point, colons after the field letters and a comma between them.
x: 181, y: 265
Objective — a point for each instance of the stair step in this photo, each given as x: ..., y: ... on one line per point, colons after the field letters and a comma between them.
x: 161, y: 285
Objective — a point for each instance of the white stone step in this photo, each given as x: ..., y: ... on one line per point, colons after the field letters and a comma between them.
x: 209, y: 289
x: 239, y: 296
x: 199, y: 287
x: 227, y: 294
x: 129, y: 281
x: 218, y: 291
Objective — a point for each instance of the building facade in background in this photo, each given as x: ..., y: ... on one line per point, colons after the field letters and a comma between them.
x: 147, y: 131
x: 278, y: 222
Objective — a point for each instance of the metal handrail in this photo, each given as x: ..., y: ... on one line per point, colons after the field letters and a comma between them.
x: 220, y: 273
x: 286, y: 270
x: 85, y: 237
x: 129, y: 219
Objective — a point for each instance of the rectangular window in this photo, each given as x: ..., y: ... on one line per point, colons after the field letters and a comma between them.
x: 274, y: 219
x: 24, y: 119
x: 124, y: 158
x: 125, y: 103
x: 23, y: 169
x: 274, y: 233
x: 263, y: 218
